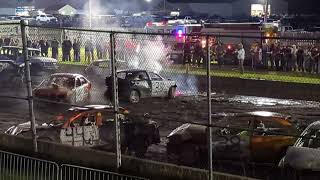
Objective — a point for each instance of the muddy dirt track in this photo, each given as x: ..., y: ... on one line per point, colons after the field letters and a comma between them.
x: 171, y: 113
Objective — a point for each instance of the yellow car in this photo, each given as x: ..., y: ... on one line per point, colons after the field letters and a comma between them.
x: 254, y: 136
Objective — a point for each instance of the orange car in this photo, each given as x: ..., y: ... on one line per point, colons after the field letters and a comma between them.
x: 254, y: 136
x: 93, y: 126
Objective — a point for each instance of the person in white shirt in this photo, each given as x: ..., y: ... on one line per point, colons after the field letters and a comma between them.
x: 241, y: 55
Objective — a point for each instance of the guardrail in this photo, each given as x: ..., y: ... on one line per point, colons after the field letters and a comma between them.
x: 15, y: 167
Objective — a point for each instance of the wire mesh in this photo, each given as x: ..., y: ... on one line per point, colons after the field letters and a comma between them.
x: 153, y: 69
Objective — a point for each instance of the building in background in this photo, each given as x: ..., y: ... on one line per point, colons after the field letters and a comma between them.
x: 228, y: 8
x: 66, y: 9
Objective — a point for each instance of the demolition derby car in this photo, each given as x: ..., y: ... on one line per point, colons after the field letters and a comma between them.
x: 136, y: 84
x: 93, y: 126
x: 38, y: 63
x: 304, y: 154
x: 252, y: 136
x: 64, y: 87
x: 11, y: 74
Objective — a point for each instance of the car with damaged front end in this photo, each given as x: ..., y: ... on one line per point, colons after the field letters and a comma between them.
x: 93, y: 126
x: 64, y: 87
x: 240, y: 137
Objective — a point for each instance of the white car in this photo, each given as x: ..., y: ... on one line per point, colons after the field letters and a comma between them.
x: 46, y: 18
x: 305, y: 153
x: 65, y: 87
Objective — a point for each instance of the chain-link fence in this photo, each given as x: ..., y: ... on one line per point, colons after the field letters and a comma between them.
x: 159, y: 80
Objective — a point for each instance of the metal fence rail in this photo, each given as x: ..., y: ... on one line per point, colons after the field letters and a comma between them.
x: 15, y: 166
x: 71, y: 172
x: 18, y: 167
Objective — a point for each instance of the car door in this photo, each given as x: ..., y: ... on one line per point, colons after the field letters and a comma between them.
x: 81, y: 131
x: 305, y: 153
x: 79, y: 91
x: 266, y: 145
x: 157, y: 85
x: 86, y: 87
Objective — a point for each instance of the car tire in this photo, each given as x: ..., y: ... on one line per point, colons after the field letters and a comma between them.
x: 134, y: 97
x: 172, y: 92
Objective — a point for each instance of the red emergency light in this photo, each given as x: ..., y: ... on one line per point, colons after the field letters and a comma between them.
x: 229, y: 47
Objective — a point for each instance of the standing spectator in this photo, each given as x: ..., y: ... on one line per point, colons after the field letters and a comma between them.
x: 312, y: 59
x: 87, y: 48
x: 294, y: 57
x: 241, y: 55
x: 46, y: 48
x: 300, y: 59
x: 76, y: 50
x: 197, y: 54
x: 1, y: 42
x: 91, y: 49
x: 220, y: 54
x: 187, y: 53
x: 55, y: 48
x: 265, y: 50
x: 66, y: 49
x: 99, y: 49
x: 42, y: 46
x: 271, y: 55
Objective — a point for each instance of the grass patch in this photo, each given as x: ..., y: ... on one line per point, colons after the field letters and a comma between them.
x: 294, y: 77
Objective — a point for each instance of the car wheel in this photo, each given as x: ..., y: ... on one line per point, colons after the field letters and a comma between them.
x: 134, y: 96
x: 172, y: 93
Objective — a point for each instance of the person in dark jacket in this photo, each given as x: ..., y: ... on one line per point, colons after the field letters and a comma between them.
x: 76, y: 50
x: 66, y: 49
x: 55, y: 48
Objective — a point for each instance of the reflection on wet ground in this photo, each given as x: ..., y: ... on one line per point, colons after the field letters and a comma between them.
x: 264, y: 101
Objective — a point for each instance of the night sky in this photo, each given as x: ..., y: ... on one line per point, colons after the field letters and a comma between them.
x: 295, y: 6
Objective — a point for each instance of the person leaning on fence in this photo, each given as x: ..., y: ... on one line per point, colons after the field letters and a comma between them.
x: 240, y: 56
x: 55, y: 48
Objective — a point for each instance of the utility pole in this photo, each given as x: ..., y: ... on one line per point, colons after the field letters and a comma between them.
x: 90, y: 14
x: 164, y: 7
x: 266, y: 11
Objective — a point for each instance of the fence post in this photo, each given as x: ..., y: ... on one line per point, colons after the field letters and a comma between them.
x: 115, y: 100
x: 28, y: 83
x: 209, y: 109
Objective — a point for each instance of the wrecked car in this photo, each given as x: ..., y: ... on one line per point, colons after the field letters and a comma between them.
x: 252, y: 136
x: 93, y: 126
x: 304, y: 154
x: 64, y: 87
x: 38, y: 64
x: 136, y: 84
x: 12, y: 75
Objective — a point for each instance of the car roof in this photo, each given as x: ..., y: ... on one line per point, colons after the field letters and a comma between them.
x: 253, y: 113
x: 94, y: 107
x: 134, y: 70
x: 314, y: 125
x: 18, y: 47
x: 67, y: 74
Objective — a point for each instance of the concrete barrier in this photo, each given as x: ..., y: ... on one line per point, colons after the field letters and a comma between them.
x: 106, y: 161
